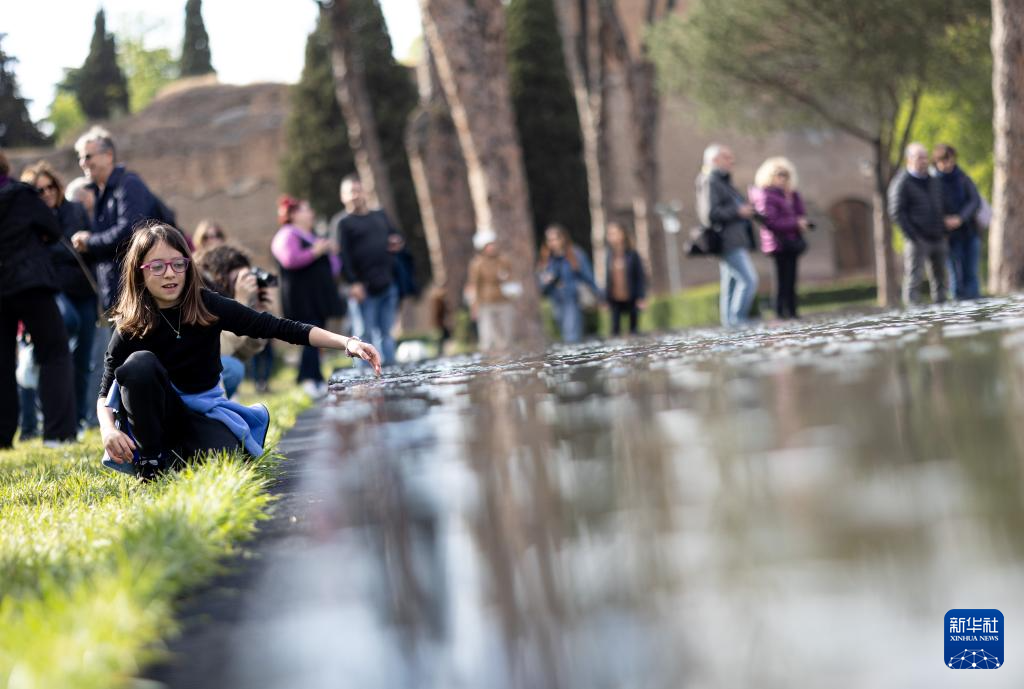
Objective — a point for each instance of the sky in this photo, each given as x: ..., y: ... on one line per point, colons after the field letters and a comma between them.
x: 250, y: 40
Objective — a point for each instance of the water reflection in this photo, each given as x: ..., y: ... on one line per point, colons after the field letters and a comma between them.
x: 776, y: 508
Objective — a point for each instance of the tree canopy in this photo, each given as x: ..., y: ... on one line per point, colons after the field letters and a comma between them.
x: 147, y: 70
x: 850, y: 66
x: 549, y: 128
x: 195, y: 47
x: 99, y: 84
x: 16, y: 126
x: 317, y: 155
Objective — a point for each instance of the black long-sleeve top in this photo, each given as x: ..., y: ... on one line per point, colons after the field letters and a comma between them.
x: 193, y: 362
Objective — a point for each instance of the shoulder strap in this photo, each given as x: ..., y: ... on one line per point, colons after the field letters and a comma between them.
x: 81, y: 264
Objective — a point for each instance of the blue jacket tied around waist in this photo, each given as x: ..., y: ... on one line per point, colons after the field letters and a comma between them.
x: 248, y: 424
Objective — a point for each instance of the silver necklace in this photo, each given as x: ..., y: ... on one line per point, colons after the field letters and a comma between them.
x: 177, y: 331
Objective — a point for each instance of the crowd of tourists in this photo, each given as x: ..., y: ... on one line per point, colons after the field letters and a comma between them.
x: 83, y: 289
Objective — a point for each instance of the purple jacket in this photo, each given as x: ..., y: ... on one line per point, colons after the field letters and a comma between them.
x: 780, y: 213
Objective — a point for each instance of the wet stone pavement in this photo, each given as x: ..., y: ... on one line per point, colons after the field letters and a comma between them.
x: 795, y: 506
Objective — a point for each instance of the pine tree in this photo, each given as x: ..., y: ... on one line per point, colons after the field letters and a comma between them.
x: 99, y: 85
x: 16, y: 127
x: 549, y: 129
x: 195, y: 48
x: 317, y: 153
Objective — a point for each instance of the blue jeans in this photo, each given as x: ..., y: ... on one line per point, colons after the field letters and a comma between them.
x: 964, y: 254
x: 739, y: 286
x: 234, y: 371
x: 82, y: 356
x: 29, y: 412
x: 376, y: 316
x: 73, y: 326
x: 569, y: 317
x: 262, y: 364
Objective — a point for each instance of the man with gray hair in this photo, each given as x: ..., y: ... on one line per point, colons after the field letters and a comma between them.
x: 721, y: 207
x: 122, y: 199
x: 915, y: 203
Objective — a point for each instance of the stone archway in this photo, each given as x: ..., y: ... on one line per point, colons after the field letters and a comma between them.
x: 854, y: 236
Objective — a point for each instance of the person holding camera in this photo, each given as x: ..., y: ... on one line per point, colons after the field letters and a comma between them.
x: 723, y: 208
x: 783, y: 223
x: 161, y: 399
x: 227, y: 270
x: 309, y: 265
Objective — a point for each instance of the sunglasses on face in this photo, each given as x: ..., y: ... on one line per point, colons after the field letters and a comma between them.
x: 48, y: 187
x: 159, y: 267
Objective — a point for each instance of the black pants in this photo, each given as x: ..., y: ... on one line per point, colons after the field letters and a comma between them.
x: 620, y: 309
x: 160, y: 420
x: 38, y: 311
x: 785, y: 283
x: 309, y: 361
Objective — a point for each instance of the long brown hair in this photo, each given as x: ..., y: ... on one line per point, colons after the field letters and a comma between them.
x: 136, y: 312
x: 32, y: 173
x: 570, y: 249
x: 627, y: 237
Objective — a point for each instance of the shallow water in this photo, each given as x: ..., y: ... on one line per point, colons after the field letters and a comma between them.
x: 795, y: 506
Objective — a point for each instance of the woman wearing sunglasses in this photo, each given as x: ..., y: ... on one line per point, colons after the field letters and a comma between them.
x: 162, y: 368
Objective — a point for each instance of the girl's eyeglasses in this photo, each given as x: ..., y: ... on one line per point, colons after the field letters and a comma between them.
x: 46, y: 188
x: 158, y: 267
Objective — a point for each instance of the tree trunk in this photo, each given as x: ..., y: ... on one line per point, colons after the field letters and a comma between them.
x: 442, y: 188
x: 585, y: 66
x: 1006, y: 238
x: 885, y: 257
x: 650, y: 237
x: 354, y: 100
x: 644, y: 104
x: 467, y: 38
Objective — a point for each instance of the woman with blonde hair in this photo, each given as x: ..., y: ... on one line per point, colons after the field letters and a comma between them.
x: 783, y: 222
x: 208, y: 234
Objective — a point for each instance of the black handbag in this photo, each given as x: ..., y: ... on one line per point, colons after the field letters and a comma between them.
x: 704, y: 241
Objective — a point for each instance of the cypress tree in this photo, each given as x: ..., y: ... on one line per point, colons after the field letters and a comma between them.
x: 99, y: 84
x: 195, y: 48
x: 549, y: 129
x: 16, y: 127
x: 317, y: 155
x: 393, y: 93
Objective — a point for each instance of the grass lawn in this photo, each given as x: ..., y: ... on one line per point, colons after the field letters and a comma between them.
x: 92, y: 561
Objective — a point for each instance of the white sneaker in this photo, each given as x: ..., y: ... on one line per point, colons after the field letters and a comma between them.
x: 314, y: 390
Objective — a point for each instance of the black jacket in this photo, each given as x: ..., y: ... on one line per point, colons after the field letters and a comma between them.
x: 960, y: 197
x: 364, y: 250
x: 71, y: 278
x: 718, y: 206
x: 916, y: 205
x: 635, y: 277
x: 26, y: 226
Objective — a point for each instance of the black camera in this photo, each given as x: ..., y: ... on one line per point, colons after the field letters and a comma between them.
x: 264, y: 279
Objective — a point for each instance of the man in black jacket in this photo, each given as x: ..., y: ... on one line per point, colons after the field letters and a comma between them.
x: 28, y: 285
x: 915, y: 203
x: 369, y: 243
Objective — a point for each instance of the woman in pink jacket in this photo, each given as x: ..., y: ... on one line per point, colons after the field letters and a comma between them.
x: 783, y: 223
x: 309, y: 266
